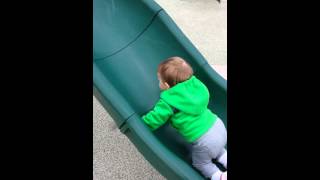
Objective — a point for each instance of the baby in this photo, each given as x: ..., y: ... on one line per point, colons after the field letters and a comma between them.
x: 184, y: 93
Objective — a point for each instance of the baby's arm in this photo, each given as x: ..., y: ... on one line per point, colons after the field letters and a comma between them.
x: 159, y: 115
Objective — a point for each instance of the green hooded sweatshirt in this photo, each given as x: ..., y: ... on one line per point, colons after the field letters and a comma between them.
x: 191, y: 99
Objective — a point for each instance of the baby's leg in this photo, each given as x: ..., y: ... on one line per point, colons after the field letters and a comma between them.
x: 201, y: 160
x: 222, y: 158
x: 216, y: 141
x: 210, y: 146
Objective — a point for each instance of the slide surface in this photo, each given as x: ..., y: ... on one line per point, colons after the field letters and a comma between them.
x: 130, y: 39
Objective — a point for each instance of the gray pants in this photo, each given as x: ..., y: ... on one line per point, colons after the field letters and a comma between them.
x: 209, y: 146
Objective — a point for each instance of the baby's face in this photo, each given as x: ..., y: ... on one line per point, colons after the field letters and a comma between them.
x: 162, y: 85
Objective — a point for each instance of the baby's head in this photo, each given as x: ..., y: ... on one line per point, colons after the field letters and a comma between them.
x: 173, y: 71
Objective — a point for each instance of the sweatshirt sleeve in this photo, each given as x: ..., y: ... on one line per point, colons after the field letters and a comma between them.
x: 158, y: 115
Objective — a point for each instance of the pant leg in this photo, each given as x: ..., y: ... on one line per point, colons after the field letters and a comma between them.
x: 222, y: 157
x: 209, y: 147
x: 201, y: 159
x: 216, y: 139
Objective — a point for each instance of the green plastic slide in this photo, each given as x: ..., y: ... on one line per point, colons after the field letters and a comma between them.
x: 130, y: 39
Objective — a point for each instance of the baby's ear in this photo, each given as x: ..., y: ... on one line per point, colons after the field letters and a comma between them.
x: 167, y: 85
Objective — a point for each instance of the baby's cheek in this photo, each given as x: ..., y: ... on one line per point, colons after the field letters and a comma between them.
x: 161, y: 86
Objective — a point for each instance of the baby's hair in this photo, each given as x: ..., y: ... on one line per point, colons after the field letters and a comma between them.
x: 174, y: 70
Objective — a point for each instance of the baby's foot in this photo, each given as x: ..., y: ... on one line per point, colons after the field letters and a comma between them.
x: 223, y: 176
x: 219, y: 175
